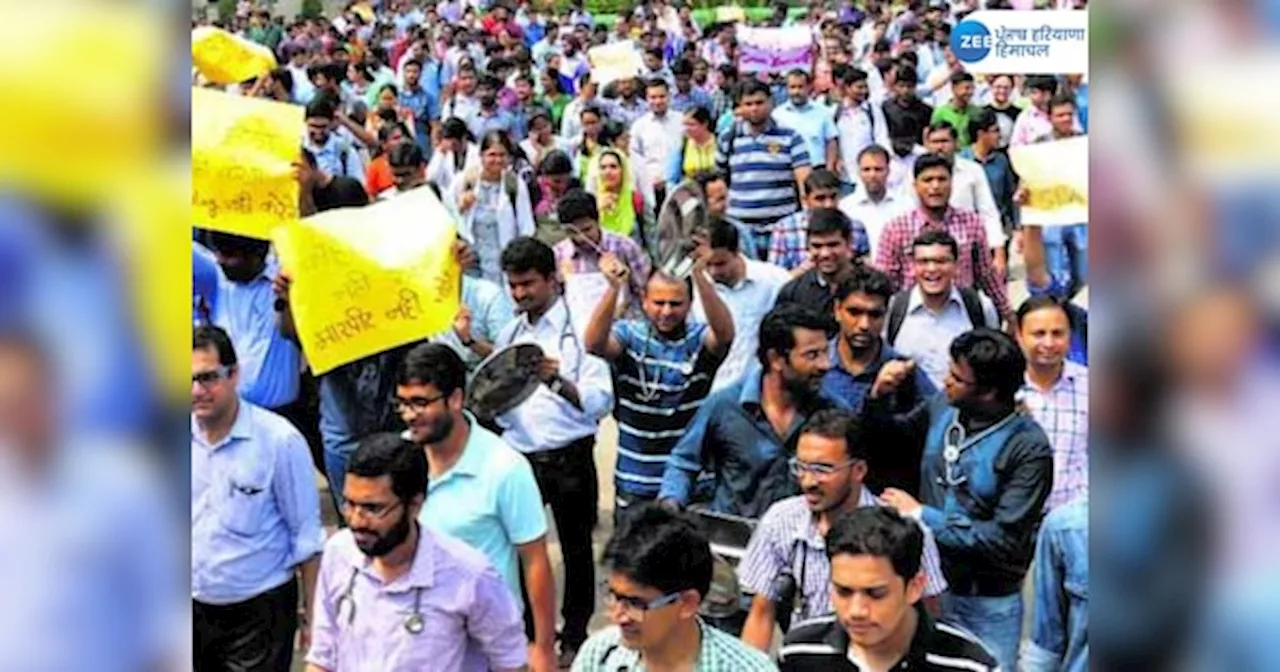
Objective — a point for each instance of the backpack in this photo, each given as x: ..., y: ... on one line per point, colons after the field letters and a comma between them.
x: 898, y: 311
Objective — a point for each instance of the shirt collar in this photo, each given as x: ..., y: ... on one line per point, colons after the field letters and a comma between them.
x: 916, y: 298
x: 838, y: 639
x: 241, y: 428
x: 422, y: 573
x: 554, y: 316
x: 1071, y: 372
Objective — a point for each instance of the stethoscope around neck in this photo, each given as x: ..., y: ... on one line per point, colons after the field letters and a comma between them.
x: 566, y: 331
x: 414, y: 624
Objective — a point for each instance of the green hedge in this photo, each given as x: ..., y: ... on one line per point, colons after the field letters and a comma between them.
x: 704, y: 16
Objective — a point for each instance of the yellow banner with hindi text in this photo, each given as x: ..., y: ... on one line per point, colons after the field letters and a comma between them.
x: 242, y: 154
x: 366, y: 280
x: 1056, y: 177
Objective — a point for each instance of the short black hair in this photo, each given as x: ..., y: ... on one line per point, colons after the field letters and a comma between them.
x: 682, y: 68
x: 937, y: 237
x: 660, y: 549
x: 980, y: 122
x: 206, y: 336
x: 941, y: 126
x: 875, y: 150
x: 556, y: 162
x: 961, y: 77
x: 931, y: 160
x: 577, y: 205
x: 821, y: 178
x: 433, y: 364
x: 454, y: 128
x: 830, y: 220
x: 836, y: 423
x: 706, y: 177
x: 230, y: 243
x: 529, y: 254
x: 865, y: 280
x: 752, y: 87
x: 880, y: 532
x: 777, y: 329
x: 405, y: 155
x: 1041, y: 302
x: 320, y: 107
x: 997, y: 361
x: 722, y: 235
x: 797, y: 72
x: 906, y: 73
x: 388, y: 454
x: 657, y: 83
x: 1060, y: 99
x: 1042, y: 83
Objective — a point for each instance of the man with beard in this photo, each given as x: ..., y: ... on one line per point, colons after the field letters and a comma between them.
x: 489, y: 117
x: 663, y: 367
x: 831, y: 257
x: 876, y: 589
x: 863, y: 366
x: 629, y: 105
x: 255, y: 519
x: 746, y: 432
x: 986, y: 474
x: 395, y: 596
x: 482, y: 491
x: 830, y: 465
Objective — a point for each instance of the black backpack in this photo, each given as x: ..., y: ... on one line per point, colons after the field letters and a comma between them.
x: 898, y: 311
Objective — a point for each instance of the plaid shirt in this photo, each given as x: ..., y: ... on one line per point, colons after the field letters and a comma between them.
x: 571, y: 259
x: 720, y: 651
x: 893, y: 254
x: 790, y: 244
x: 788, y: 536
x: 1063, y: 414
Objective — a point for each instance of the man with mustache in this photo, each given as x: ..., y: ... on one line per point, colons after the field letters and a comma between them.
x: 745, y: 432
x: 482, y: 491
x: 830, y: 465
x: 863, y: 367
x: 395, y: 596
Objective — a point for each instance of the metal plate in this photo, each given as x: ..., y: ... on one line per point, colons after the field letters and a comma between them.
x: 504, y: 380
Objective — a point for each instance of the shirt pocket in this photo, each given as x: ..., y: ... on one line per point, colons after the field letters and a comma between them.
x: 245, y: 500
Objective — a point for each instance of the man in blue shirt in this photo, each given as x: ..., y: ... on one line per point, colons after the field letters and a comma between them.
x: 745, y: 433
x: 489, y: 117
x: 335, y: 153
x: 686, y: 96
x: 255, y: 519
x: 424, y: 104
x: 984, y: 133
x: 1059, y: 629
x: 859, y: 356
x: 814, y: 121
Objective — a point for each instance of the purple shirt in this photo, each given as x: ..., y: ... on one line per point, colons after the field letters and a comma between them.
x: 470, y: 619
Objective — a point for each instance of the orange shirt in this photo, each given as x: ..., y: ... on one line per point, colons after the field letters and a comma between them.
x: 378, y: 177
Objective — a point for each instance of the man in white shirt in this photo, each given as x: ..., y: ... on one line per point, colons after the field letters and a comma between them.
x: 652, y: 138
x: 556, y: 427
x: 872, y: 202
x: 969, y: 189
x: 748, y: 287
x: 859, y: 122
x: 923, y: 320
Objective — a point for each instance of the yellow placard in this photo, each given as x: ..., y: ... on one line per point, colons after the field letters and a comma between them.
x: 227, y: 58
x: 1056, y: 176
x: 366, y: 280
x: 609, y: 62
x: 242, y: 151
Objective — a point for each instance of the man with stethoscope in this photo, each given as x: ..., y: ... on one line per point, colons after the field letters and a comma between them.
x: 394, y: 596
x: 985, y: 476
x: 555, y: 428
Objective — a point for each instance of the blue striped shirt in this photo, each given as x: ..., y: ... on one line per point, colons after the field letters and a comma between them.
x: 659, y: 385
x: 762, y: 168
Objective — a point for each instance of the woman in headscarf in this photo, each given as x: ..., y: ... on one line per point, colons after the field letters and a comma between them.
x: 619, y: 203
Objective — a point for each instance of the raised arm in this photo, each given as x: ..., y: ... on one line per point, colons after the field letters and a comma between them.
x: 599, y: 337
x: 720, y: 335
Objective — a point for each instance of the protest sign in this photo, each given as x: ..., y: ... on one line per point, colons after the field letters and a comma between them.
x: 775, y: 50
x: 1056, y: 177
x: 242, y: 151
x: 227, y: 58
x: 365, y: 280
x: 610, y: 62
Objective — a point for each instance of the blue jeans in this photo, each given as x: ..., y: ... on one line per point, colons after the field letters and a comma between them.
x: 997, y: 621
x: 336, y: 437
x: 1066, y: 253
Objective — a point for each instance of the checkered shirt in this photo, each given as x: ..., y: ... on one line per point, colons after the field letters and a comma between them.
x: 789, y: 246
x: 1063, y: 414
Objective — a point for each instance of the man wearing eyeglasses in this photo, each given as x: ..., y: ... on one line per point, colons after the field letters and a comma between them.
x: 660, y: 568
x: 255, y: 519
x: 393, y: 595
x: 864, y: 368
x: 830, y: 465
x: 481, y: 490
x: 986, y: 475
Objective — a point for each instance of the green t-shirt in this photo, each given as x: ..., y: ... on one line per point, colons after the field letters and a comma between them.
x: 957, y: 118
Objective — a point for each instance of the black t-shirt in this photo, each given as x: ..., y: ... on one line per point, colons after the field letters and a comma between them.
x: 341, y: 192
